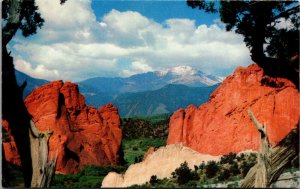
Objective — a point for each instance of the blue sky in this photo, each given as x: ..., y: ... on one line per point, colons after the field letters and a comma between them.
x: 159, y: 11
x: 85, y: 39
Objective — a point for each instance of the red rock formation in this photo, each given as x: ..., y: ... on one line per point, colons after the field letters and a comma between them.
x: 9, y: 146
x: 222, y: 125
x: 82, y: 134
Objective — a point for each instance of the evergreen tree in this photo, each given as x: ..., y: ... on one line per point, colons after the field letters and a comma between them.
x: 273, y: 48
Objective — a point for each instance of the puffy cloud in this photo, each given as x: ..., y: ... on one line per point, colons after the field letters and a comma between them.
x: 73, y: 45
x: 38, y: 72
x: 72, y: 21
x: 139, y: 66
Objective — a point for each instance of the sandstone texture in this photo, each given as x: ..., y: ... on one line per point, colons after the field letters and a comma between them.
x: 223, y: 125
x: 161, y: 163
x: 149, y: 151
x: 81, y: 134
x: 10, y: 152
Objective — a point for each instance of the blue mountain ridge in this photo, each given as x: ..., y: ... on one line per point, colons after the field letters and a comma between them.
x: 144, y: 94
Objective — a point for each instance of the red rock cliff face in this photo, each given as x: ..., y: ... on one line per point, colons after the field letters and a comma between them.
x: 82, y: 134
x: 222, y: 125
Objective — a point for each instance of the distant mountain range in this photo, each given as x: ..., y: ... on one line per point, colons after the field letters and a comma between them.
x: 144, y: 94
x: 165, y: 100
x: 149, y: 81
x: 32, y: 83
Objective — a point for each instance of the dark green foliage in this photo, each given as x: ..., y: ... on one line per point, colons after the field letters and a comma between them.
x: 212, y: 168
x: 89, y: 182
x: 153, y: 180
x: 234, y: 168
x: 229, y: 158
x: 202, y: 165
x: 224, y: 175
x: 156, y: 119
x: 92, y: 170
x: 206, y: 6
x: 245, y: 167
x: 184, y: 174
x: 30, y: 18
x: 12, y: 175
x: 134, y: 148
x: 90, y: 176
x: 138, y: 159
x: 157, y: 183
x: 240, y: 157
x: 150, y: 127
x: 139, y: 134
x: 191, y: 184
x: 141, y: 145
x: 284, y: 44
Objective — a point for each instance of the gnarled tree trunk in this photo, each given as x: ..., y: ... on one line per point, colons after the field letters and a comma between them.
x: 42, y: 172
x: 271, y: 161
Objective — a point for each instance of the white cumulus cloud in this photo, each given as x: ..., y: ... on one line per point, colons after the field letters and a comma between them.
x: 73, y: 45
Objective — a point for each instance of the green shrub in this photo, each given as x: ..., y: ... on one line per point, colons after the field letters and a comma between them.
x: 58, y: 181
x: 184, y: 174
x: 89, y: 182
x: 93, y: 170
x: 138, y: 159
x: 191, y: 184
x: 224, y: 175
x: 143, y: 144
x: 229, y: 158
x: 89, y: 176
x: 135, y: 148
x: 153, y: 180
x: 212, y: 168
x: 202, y: 166
x: 240, y: 157
x: 150, y: 127
x: 234, y: 169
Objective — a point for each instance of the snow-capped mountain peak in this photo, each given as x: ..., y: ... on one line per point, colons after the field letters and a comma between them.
x: 192, y: 77
x: 183, y: 70
x: 187, y: 75
x: 161, y: 73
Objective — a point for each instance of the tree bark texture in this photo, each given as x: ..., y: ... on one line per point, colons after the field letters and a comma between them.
x: 39, y: 154
x: 271, y: 160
